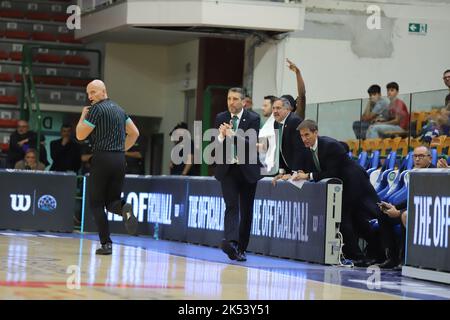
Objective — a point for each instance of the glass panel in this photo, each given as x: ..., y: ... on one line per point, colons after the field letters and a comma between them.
x: 336, y: 118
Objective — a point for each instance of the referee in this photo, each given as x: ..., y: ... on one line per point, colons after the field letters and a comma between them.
x: 111, y: 133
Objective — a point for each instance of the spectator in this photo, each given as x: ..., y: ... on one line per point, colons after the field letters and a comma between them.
x: 394, y: 215
x: 22, y: 140
x: 86, y: 155
x: 443, y: 163
x: 398, y: 112
x: 180, y: 136
x: 29, y: 162
x: 299, y: 105
x: 135, y: 158
x: 65, y: 152
x: 377, y: 109
x: 435, y: 127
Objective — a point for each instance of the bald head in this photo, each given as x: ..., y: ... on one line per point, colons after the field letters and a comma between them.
x: 22, y: 127
x: 96, y: 91
x: 422, y: 157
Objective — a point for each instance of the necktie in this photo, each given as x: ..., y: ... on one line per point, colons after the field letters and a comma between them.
x: 234, y: 120
x: 316, y: 159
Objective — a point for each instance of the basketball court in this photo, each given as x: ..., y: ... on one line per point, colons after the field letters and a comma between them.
x: 65, y: 266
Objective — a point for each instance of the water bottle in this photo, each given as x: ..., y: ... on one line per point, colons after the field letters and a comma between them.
x: 156, y: 231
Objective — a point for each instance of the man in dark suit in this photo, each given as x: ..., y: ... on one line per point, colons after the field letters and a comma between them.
x: 359, y: 199
x: 238, y: 170
x: 293, y: 155
x: 394, y: 215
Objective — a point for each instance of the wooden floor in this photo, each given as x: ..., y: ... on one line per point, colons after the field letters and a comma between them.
x: 49, y: 266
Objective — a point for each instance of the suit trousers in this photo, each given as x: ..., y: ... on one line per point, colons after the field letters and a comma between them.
x: 239, y: 196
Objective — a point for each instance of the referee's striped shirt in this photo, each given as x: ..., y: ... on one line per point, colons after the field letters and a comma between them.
x: 109, y: 122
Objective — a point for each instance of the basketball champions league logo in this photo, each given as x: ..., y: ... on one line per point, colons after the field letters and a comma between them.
x: 23, y: 202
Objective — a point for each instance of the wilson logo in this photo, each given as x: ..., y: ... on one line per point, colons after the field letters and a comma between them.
x: 20, y: 202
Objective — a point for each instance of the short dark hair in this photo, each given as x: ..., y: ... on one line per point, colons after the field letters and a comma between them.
x: 180, y: 125
x: 374, y: 89
x: 66, y: 125
x: 271, y: 98
x: 392, y: 85
x: 308, y: 124
x: 448, y: 70
x: 238, y: 90
x: 31, y: 150
x: 291, y: 100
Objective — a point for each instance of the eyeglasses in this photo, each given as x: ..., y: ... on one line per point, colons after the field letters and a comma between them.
x: 420, y: 156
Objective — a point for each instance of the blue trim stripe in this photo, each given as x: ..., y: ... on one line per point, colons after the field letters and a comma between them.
x: 88, y: 123
x: 83, y: 204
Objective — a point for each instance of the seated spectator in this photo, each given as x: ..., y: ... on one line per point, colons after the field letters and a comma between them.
x: 187, y: 166
x: 20, y: 141
x: 435, y: 127
x: 394, y: 215
x: 29, y: 162
x: 442, y: 164
x: 377, y: 109
x: 86, y: 155
x: 65, y: 152
x: 398, y: 113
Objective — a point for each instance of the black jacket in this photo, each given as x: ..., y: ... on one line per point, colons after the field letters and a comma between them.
x: 293, y: 154
x: 249, y: 166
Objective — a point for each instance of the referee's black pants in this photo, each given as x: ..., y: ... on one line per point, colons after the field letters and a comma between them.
x: 105, y: 187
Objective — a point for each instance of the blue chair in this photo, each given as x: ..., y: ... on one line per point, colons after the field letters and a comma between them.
x: 396, y: 187
x: 362, y: 159
x: 387, y: 167
x: 374, y: 161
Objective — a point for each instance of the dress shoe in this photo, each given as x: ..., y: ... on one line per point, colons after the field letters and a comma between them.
x: 388, y: 264
x: 361, y: 263
x: 230, y: 249
x: 131, y: 222
x: 241, y: 256
x: 105, y: 249
x: 398, y: 267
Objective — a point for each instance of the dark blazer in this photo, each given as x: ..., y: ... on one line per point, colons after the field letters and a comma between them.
x: 249, y: 166
x: 335, y: 163
x: 293, y: 156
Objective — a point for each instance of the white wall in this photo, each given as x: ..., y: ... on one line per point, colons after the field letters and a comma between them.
x: 150, y: 80
x: 177, y: 82
x: 135, y: 76
x: 336, y: 65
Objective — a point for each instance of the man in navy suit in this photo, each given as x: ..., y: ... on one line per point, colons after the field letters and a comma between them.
x: 330, y: 160
x: 238, y: 170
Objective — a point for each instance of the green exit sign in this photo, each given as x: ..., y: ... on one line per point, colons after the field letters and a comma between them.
x: 418, y: 28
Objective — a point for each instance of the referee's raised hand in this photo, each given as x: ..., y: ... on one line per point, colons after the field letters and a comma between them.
x: 85, y: 111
